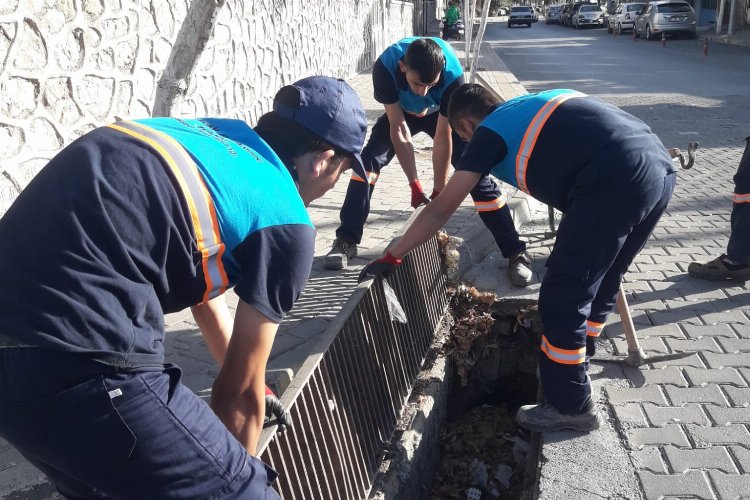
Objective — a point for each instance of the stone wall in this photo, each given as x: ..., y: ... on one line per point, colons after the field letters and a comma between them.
x: 68, y: 66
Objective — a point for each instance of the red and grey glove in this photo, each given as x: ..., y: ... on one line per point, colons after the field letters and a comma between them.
x: 417, y: 194
x: 434, y: 194
x: 275, y: 408
x: 381, y: 267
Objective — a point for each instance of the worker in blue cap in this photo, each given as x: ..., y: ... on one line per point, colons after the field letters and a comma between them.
x: 145, y: 217
x: 612, y: 190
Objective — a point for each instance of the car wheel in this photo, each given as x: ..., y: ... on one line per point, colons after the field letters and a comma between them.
x: 649, y: 35
x: 528, y: 25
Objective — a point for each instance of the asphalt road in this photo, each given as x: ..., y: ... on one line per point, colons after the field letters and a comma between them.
x: 683, y: 94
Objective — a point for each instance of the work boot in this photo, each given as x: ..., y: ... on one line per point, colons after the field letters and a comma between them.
x: 519, y: 266
x: 545, y: 418
x: 341, y: 252
x: 719, y: 269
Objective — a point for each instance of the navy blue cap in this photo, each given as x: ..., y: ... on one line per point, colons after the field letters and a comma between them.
x: 331, y: 109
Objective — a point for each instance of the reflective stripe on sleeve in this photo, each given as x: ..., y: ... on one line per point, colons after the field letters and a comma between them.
x: 593, y: 329
x: 489, y: 206
x: 563, y: 356
x: 202, y: 209
x: 741, y: 198
x: 532, y: 134
x: 372, y: 178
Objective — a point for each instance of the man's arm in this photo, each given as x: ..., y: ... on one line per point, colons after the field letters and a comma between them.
x: 436, y: 213
x: 442, y: 148
x: 238, y: 394
x: 215, y: 322
x: 401, y: 139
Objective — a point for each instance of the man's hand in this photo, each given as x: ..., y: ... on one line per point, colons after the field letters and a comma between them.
x: 417, y: 194
x: 275, y: 408
x: 434, y: 194
x: 381, y: 267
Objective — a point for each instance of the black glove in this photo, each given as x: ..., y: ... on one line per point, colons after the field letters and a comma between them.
x: 381, y: 267
x: 275, y: 408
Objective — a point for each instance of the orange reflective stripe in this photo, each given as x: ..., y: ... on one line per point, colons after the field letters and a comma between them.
x: 488, y: 206
x: 202, y: 210
x: 593, y: 329
x: 532, y: 134
x: 563, y: 356
x: 741, y: 198
x: 372, y: 178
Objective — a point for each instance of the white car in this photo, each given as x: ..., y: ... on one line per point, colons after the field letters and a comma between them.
x: 624, y: 16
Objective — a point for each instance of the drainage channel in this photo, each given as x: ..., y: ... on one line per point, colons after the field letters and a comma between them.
x: 457, y: 438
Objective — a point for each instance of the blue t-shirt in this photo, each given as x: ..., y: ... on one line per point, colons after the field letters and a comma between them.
x: 112, y: 246
x: 551, y: 143
x: 390, y: 84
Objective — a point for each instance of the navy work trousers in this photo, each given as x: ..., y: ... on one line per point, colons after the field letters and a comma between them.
x: 379, y: 151
x: 738, y: 248
x: 97, y: 433
x: 602, y: 231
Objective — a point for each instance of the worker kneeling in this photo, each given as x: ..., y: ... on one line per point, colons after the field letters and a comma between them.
x: 612, y: 188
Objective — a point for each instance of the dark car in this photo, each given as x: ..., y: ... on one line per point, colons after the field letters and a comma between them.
x: 521, y: 15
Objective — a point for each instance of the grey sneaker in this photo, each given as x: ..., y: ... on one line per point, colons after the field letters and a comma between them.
x: 519, y: 266
x: 341, y: 252
x: 545, y: 418
x: 717, y: 270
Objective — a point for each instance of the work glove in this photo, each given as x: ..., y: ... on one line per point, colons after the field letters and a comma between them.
x: 381, y: 267
x: 417, y: 194
x: 275, y: 408
x: 434, y: 194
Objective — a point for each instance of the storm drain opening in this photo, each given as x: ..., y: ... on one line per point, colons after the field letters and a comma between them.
x: 494, y: 346
x: 457, y: 438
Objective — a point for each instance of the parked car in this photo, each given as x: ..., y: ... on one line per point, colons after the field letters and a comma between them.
x: 520, y: 15
x: 624, y: 16
x: 535, y: 14
x: 553, y: 14
x: 665, y: 17
x: 586, y: 15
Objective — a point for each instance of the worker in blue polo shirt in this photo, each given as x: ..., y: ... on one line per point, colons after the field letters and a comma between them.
x: 612, y: 189
x: 141, y: 218
x: 414, y: 79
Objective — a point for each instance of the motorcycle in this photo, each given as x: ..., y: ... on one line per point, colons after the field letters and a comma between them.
x: 455, y: 30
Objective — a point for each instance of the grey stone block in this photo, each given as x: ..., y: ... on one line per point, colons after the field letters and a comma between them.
x: 657, y: 436
x: 735, y: 345
x: 704, y: 376
x: 708, y: 394
x: 731, y: 486
x: 649, y: 458
x: 706, y: 344
x: 719, y: 360
x: 722, y: 415
x: 660, y: 416
x: 693, y: 484
x: 630, y: 416
x: 704, y: 437
x: 666, y: 375
x: 738, y: 396
x: 649, y: 393
x: 717, y: 457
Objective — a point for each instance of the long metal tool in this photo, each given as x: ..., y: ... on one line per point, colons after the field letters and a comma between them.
x: 635, y: 357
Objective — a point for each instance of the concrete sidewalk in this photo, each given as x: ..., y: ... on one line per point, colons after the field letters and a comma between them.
x: 741, y: 38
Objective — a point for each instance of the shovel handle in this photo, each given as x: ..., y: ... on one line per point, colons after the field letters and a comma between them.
x: 627, y: 321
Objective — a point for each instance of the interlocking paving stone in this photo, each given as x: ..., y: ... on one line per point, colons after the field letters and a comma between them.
x: 692, y: 484
x: 735, y: 316
x: 660, y: 416
x: 718, y: 330
x: 742, y: 458
x: 704, y: 437
x: 669, y: 434
x: 653, y: 345
x: 742, y: 330
x: 667, y: 375
x: 699, y: 345
x: 694, y: 361
x: 706, y: 394
x: 738, y: 396
x: 731, y: 486
x: 734, y: 345
x: 716, y: 457
x: 649, y: 458
x: 718, y: 360
x: 649, y: 393
x: 722, y: 415
x: 703, y: 376
x: 630, y: 416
